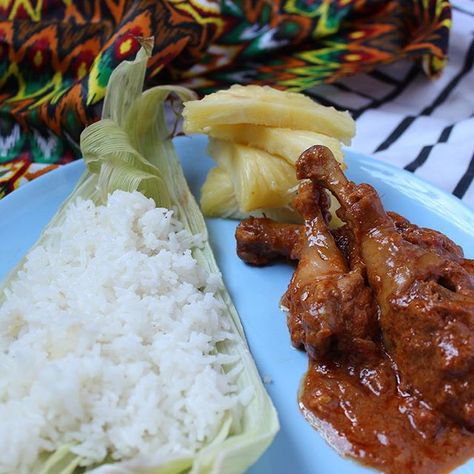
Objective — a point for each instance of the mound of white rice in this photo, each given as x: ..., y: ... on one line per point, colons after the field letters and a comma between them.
x: 107, y: 341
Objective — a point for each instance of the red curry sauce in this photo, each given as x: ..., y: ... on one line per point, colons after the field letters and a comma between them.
x: 364, y: 412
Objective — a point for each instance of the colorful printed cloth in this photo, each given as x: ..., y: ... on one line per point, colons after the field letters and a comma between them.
x: 56, y: 56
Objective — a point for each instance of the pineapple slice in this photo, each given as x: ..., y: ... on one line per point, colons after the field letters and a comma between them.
x: 218, y: 197
x: 256, y: 135
x: 263, y: 105
x: 284, y: 142
x: 260, y: 180
x: 218, y: 200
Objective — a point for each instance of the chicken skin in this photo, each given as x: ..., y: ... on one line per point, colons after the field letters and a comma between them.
x: 424, y: 291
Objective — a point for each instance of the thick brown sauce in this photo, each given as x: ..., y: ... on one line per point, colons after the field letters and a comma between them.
x: 363, y: 412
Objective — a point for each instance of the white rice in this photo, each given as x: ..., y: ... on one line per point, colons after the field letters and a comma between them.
x: 107, y: 341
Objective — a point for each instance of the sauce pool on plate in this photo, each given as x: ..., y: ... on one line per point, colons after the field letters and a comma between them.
x: 364, y: 412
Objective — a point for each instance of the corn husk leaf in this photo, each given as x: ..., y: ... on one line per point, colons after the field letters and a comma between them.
x: 131, y: 149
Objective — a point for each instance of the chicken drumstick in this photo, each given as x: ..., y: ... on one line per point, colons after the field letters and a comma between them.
x: 329, y: 307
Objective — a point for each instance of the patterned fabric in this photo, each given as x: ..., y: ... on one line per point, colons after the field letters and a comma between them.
x: 423, y: 126
x: 56, y: 56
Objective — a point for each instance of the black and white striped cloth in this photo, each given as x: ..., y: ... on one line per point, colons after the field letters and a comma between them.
x: 425, y: 126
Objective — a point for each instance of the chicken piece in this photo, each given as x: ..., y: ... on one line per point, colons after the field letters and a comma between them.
x: 261, y: 240
x: 328, y: 306
x: 468, y: 265
x: 425, y: 295
x: 432, y: 240
x: 428, y: 239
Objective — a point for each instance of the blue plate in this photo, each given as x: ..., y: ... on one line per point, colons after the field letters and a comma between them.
x: 256, y: 292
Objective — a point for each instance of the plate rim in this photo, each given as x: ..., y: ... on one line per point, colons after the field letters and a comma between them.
x: 367, y: 160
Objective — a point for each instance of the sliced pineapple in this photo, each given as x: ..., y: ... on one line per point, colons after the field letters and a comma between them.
x: 218, y: 196
x: 218, y: 200
x: 260, y: 180
x: 284, y: 142
x: 263, y: 105
x: 256, y: 135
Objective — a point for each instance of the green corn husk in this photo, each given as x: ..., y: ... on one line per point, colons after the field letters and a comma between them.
x: 131, y: 149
